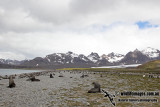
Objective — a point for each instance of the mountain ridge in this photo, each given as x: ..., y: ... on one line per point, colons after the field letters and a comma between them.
x: 71, y: 59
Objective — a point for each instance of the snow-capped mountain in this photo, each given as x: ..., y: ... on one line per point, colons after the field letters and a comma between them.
x: 113, y: 57
x: 10, y: 62
x: 70, y: 59
x: 135, y: 57
x: 94, y: 57
x: 151, y: 52
x: 59, y: 59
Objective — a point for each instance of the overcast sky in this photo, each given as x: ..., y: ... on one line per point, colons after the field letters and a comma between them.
x: 30, y: 28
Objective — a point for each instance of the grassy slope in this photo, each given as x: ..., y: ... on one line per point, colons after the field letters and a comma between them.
x: 152, y: 65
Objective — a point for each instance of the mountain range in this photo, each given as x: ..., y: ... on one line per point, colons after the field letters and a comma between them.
x: 70, y: 59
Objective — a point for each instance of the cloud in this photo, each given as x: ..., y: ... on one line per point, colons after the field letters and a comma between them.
x: 11, y: 55
x: 29, y: 28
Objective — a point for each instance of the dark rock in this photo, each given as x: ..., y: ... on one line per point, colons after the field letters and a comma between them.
x: 101, y: 75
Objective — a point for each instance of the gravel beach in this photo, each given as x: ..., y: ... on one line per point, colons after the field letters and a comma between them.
x: 71, y: 90
x: 38, y: 94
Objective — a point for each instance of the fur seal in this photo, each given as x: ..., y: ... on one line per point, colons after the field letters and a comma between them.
x: 60, y: 75
x: 11, y: 82
x: 96, y: 88
x: 34, y: 79
x: 51, y: 76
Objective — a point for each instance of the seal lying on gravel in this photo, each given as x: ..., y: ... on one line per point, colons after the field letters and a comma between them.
x: 96, y: 88
x: 61, y: 75
x: 11, y: 82
x: 84, y: 76
x: 32, y: 78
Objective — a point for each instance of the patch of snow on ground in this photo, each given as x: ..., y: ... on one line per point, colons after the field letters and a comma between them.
x: 119, y: 66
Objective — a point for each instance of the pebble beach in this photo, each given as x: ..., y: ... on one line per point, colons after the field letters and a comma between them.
x: 38, y: 94
x: 71, y: 89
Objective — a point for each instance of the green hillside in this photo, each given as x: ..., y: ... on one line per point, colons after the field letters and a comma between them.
x: 152, y: 65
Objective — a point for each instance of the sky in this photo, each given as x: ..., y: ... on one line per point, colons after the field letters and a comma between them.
x: 31, y: 28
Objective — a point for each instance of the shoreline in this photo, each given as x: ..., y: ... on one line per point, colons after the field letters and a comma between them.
x: 8, y: 72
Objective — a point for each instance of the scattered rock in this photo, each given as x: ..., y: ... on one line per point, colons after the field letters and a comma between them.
x: 88, y: 104
x: 101, y: 75
x: 5, y: 77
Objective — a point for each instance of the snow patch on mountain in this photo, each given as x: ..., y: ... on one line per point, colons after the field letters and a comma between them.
x: 59, y: 54
x: 151, y: 52
x: 113, y: 57
x: 94, y: 57
x: 8, y: 61
x: 73, y: 55
x: 48, y: 60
